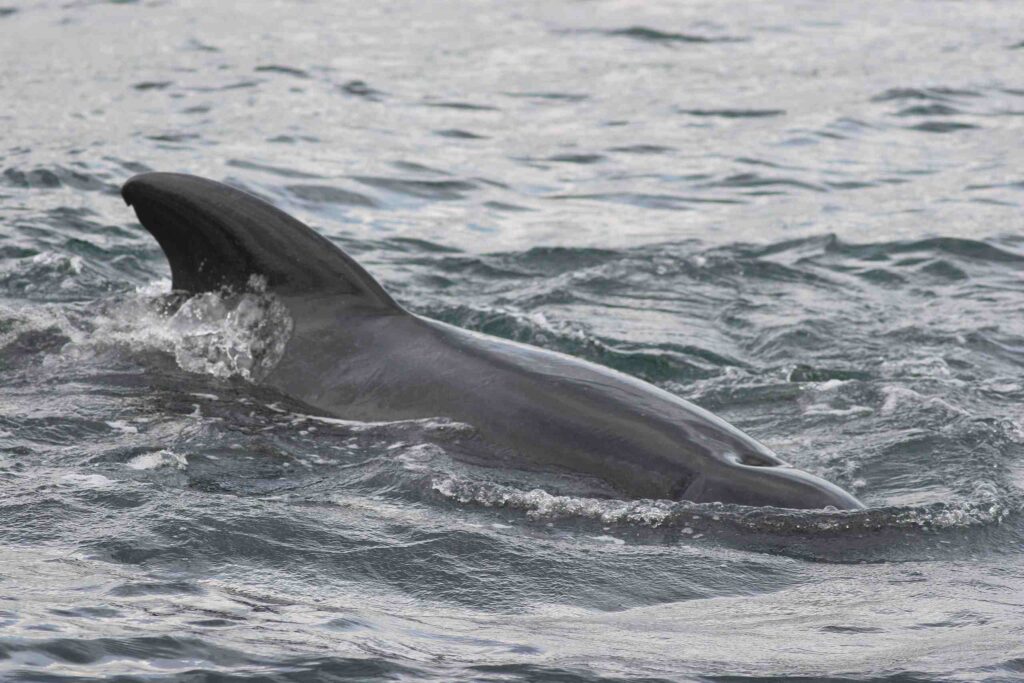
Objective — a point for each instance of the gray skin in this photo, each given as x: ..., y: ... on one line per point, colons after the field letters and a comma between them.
x: 356, y: 354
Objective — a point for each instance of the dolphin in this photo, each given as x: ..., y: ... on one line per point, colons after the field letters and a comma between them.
x: 357, y: 354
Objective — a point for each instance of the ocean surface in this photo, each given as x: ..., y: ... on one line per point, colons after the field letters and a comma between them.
x: 803, y: 216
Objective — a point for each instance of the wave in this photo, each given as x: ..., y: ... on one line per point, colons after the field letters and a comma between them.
x: 696, y: 520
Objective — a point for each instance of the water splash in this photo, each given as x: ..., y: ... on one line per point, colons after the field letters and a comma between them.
x: 223, y: 334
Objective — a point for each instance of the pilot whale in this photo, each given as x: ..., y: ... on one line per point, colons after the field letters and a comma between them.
x: 357, y: 354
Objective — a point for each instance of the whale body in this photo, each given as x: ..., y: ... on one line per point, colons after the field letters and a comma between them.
x: 356, y: 354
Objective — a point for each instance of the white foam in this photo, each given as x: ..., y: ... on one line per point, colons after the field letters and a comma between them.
x: 609, y: 539
x: 539, y: 503
x: 157, y: 460
x: 831, y: 384
x: 825, y: 409
x: 897, y: 396
x: 58, y: 262
x: 123, y: 426
x: 86, y: 481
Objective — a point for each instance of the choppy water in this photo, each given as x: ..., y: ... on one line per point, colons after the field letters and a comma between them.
x: 803, y: 216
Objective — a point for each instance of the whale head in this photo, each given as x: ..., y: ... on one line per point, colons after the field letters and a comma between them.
x: 769, y: 484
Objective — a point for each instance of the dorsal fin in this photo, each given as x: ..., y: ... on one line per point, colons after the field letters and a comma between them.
x: 215, y: 236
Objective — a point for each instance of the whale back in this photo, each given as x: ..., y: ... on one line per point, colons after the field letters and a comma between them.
x: 217, y: 236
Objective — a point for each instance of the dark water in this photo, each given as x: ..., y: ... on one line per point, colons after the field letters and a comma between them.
x: 805, y: 217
